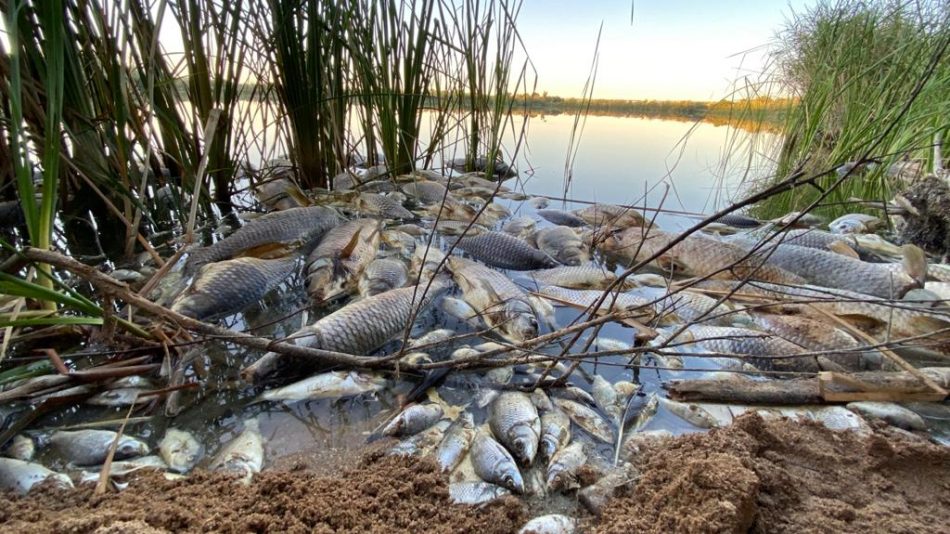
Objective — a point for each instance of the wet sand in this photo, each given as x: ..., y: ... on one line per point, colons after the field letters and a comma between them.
x: 756, y: 475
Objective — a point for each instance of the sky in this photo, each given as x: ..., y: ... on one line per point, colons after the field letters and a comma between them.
x: 672, y: 50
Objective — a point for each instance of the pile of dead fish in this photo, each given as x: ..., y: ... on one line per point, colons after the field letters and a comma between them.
x: 379, y: 245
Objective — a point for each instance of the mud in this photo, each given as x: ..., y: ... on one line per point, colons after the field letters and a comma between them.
x: 757, y: 475
x: 786, y: 476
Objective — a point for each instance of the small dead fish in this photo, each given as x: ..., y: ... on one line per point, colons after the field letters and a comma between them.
x: 541, y: 401
x: 539, y: 203
x: 244, y: 455
x: 596, y: 496
x: 606, y: 398
x: 382, y: 275
x: 119, y: 397
x: 555, y: 433
x: 229, y: 286
x: 690, y: 413
x: 575, y: 394
x: 646, y: 413
x: 550, y: 524
x: 587, y: 419
x: 413, y: 419
x: 855, y: 223
x: 426, y: 192
x: 562, y: 469
x: 128, y: 276
x: 180, y: 450
x: 475, y: 492
x: 19, y: 476
x: 123, y: 468
x: 589, y: 276
x: 514, y: 422
x: 423, y: 443
x: 611, y: 216
x: 382, y: 206
x: 562, y: 244
x: 280, y: 192
x: 501, y: 303
x: 519, y: 227
x: 494, y: 464
x: 90, y: 447
x: 275, y: 232
x: 432, y: 336
x: 329, y: 385
x: 562, y: 218
x: 504, y: 251
x: 21, y: 447
x: 458, y: 438
x: 335, y: 266
x: 889, y: 412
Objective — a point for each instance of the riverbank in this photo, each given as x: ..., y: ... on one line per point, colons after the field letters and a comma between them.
x: 756, y: 475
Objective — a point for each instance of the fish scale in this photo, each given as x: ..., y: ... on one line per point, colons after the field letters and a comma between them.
x: 295, y: 226
x: 562, y: 218
x: 383, y: 206
x: 231, y: 285
x: 382, y: 275
x: 588, y: 276
x: 744, y: 342
x: 504, y: 251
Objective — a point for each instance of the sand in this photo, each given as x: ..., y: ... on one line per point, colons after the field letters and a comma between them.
x: 755, y: 476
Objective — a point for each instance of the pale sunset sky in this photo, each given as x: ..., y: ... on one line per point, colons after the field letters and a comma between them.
x: 672, y: 50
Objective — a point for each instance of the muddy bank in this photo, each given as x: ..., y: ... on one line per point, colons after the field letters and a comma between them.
x: 757, y: 475
x: 785, y: 476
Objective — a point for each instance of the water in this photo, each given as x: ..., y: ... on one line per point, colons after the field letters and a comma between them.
x: 619, y: 159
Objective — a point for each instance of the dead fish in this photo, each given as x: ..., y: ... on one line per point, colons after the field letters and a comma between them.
x: 688, y: 306
x: 432, y: 336
x: 270, y: 234
x: 515, y: 423
x: 550, y: 524
x: 690, y: 413
x: 563, y: 467
x: 329, y: 385
x: 607, y: 399
x: 458, y: 438
x: 496, y: 299
x: 280, y: 193
x: 539, y: 203
x: 562, y: 244
x: 596, y: 496
x: 587, y: 419
x: 519, y: 227
x: 19, y: 476
x: 128, y: 276
x: 345, y: 181
x: 889, y: 412
x: 123, y: 468
x: 501, y: 250
x: 481, y: 164
x: 574, y: 393
x: 555, y: 433
x: 474, y: 493
x: 90, y: 447
x: 244, y: 455
x: 461, y: 310
x: 814, y: 335
x: 119, y: 397
x: 759, y: 347
x: 357, y: 328
x: 426, y: 192
x: 589, y: 276
x: 646, y: 413
x: 855, y: 223
x: 561, y: 218
x: 423, y: 443
x: 413, y: 419
x: 494, y: 464
x: 334, y: 267
x: 588, y: 297
x: 180, y: 450
x: 541, y: 402
x: 454, y: 228
x: 693, y: 256
x: 229, y: 286
x: 382, y: 275
x: 382, y: 206
x: 608, y: 215
x: 20, y: 447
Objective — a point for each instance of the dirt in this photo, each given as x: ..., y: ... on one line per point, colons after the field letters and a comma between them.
x: 786, y: 476
x: 756, y: 475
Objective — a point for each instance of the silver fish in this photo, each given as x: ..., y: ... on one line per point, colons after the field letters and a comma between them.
x: 589, y: 276
x: 334, y: 267
x: 229, y: 286
x: 279, y: 230
x: 90, y: 447
x: 244, y: 455
x: 889, y: 412
x: 124, y: 468
x: 562, y: 244
x: 357, y: 328
x: 555, y: 433
x: 280, y: 193
x: 588, y: 297
x: 607, y: 399
x: 498, y: 300
x: 329, y: 385
x: 515, y: 423
x: 472, y: 492
x: 855, y: 223
x: 426, y: 192
x: 550, y: 524
x: 432, y: 336
x: 423, y: 443
x: 541, y: 401
x: 690, y: 413
x: 562, y: 469
x: 494, y: 464
x: 519, y: 227
x: 588, y: 419
x: 561, y: 218
x: 539, y: 203
x: 501, y: 250
x: 458, y: 438
x: 21, y: 447
x: 759, y: 347
x: 180, y: 450
x: 599, y: 215
x: 413, y: 419
x: 596, y: 496
x: 119, y: 397
x: 382, y: 206
x: 646, y: 413
x: 815, y: 335
x: 19, y: 476
x: 382, y: 275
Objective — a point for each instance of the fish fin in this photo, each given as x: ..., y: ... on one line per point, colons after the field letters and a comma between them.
x: 267, y: 251
x: 840, y: 247
x: 299, y: 196
x: 915, y: 263
x: 347, y: 250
